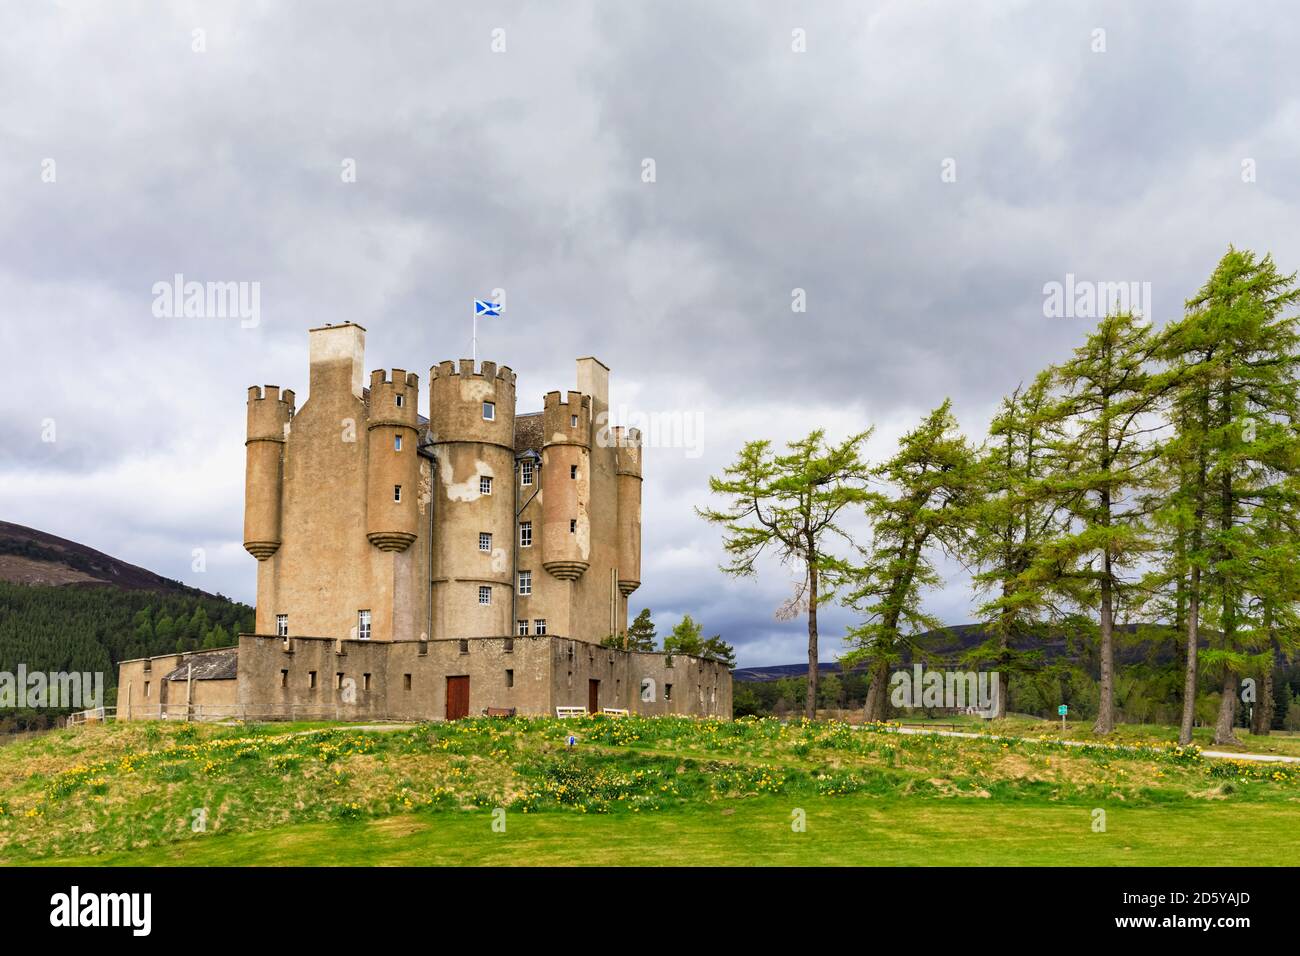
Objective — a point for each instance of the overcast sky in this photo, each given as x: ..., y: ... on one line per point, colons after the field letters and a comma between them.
x: 920, y: 170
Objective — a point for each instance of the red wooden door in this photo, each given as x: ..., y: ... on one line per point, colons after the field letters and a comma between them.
x: 593, y: 697
x: 457, y: 697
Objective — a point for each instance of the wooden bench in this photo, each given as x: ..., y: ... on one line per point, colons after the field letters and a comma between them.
x: 498, y: 711
x: 614, y: 711
x: 566, y: 712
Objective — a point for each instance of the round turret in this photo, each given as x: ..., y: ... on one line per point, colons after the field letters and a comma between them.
x: 269, y: 414
x: 628, y: 452
x: 566, y: 485
x: 392, y: 470
x: 472, y: 427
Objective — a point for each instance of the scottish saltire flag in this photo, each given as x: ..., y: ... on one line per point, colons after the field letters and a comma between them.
x: 486, y: 308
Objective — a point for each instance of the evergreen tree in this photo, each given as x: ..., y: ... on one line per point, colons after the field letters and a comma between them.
x: 790, y: 504
x: 1234, y: 361
x: 217, y: 637
x: 1010, y: 518
x: 931, y: 480
x: 1105, y: 413
x: 641, y: 635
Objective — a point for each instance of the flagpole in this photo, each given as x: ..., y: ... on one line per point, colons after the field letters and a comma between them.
x: 475, y: 341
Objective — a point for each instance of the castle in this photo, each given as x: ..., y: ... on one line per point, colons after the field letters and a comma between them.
x: 427, y: 568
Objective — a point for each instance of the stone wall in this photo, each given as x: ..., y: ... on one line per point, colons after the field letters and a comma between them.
x: 304, y: 678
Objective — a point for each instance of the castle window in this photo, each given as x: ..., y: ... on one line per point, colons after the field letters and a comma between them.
x: 397, y: 492
x: 484, y: 594
x: 489, y: 412
x: 573, y: 472
x: 284, y: 678
x: 485, y: 541
x: 365, y: 682
x: 146, y: 689
x: 573, y: 421
x: 510, y: 678
x: 401, y: 400
x: 397, y: 443
x: 338, y: 681
x: 668, y: 691
x: 526, y: 471
x: 464, y: 646
x: 573, y: 526
x: 508, y: 645
x: 521, y: 627
x: 485, y: 485
x: 282, y: 625
x: 311, y: 680
x: 525, y: 534
x: 363, y: 625
x: 539, y: 626
x: 525, y: 583
x: 406, y: 682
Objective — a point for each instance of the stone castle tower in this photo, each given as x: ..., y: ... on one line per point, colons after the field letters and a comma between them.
x: 433, y: 567
x: 372, y: 521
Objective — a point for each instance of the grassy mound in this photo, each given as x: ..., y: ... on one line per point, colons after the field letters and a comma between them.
x: 166, y: 792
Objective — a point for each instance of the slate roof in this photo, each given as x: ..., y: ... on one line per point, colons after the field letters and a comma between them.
x: 213, y: 665
x: 528, y: 432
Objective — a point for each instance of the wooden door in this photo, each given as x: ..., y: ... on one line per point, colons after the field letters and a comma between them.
x: 457, y: 697
x: 593, y: 697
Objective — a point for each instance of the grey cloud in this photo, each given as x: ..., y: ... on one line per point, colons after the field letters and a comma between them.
x: 522, y: 170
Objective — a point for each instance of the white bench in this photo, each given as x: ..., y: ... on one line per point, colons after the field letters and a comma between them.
x: 565, y: 712
x: 614, y: 711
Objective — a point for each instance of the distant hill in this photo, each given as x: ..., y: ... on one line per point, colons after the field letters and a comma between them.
x: 66, y: 607
x: 28, y: 556
x: 949, y: 643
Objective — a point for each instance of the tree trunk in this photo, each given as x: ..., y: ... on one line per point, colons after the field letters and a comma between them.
x: 1223, y: 733
x: 1262, y: 716
x: 1000, y: 705
x: 1106, y: 706
x: 810, y: 705
x: 1193, y: 645
x: 876, y: 692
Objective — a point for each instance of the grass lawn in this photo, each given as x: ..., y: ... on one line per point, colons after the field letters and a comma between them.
x: 855, y: 831
x: 1285, y: 743
x: 634, y: 790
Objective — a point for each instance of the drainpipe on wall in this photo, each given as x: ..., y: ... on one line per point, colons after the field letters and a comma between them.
x: 433, y: 497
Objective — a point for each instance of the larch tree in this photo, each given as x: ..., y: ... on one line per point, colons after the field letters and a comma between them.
x: 929, y: 483
x: 1009, y: 518
x: 1106, y: 412
x: 1240, y: 354
x: 789, y: 506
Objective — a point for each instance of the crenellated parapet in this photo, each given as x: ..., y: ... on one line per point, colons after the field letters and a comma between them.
x: 458, y: 394
x: 566, y: 419
x: 269, y: 415
x: 394, y: 398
